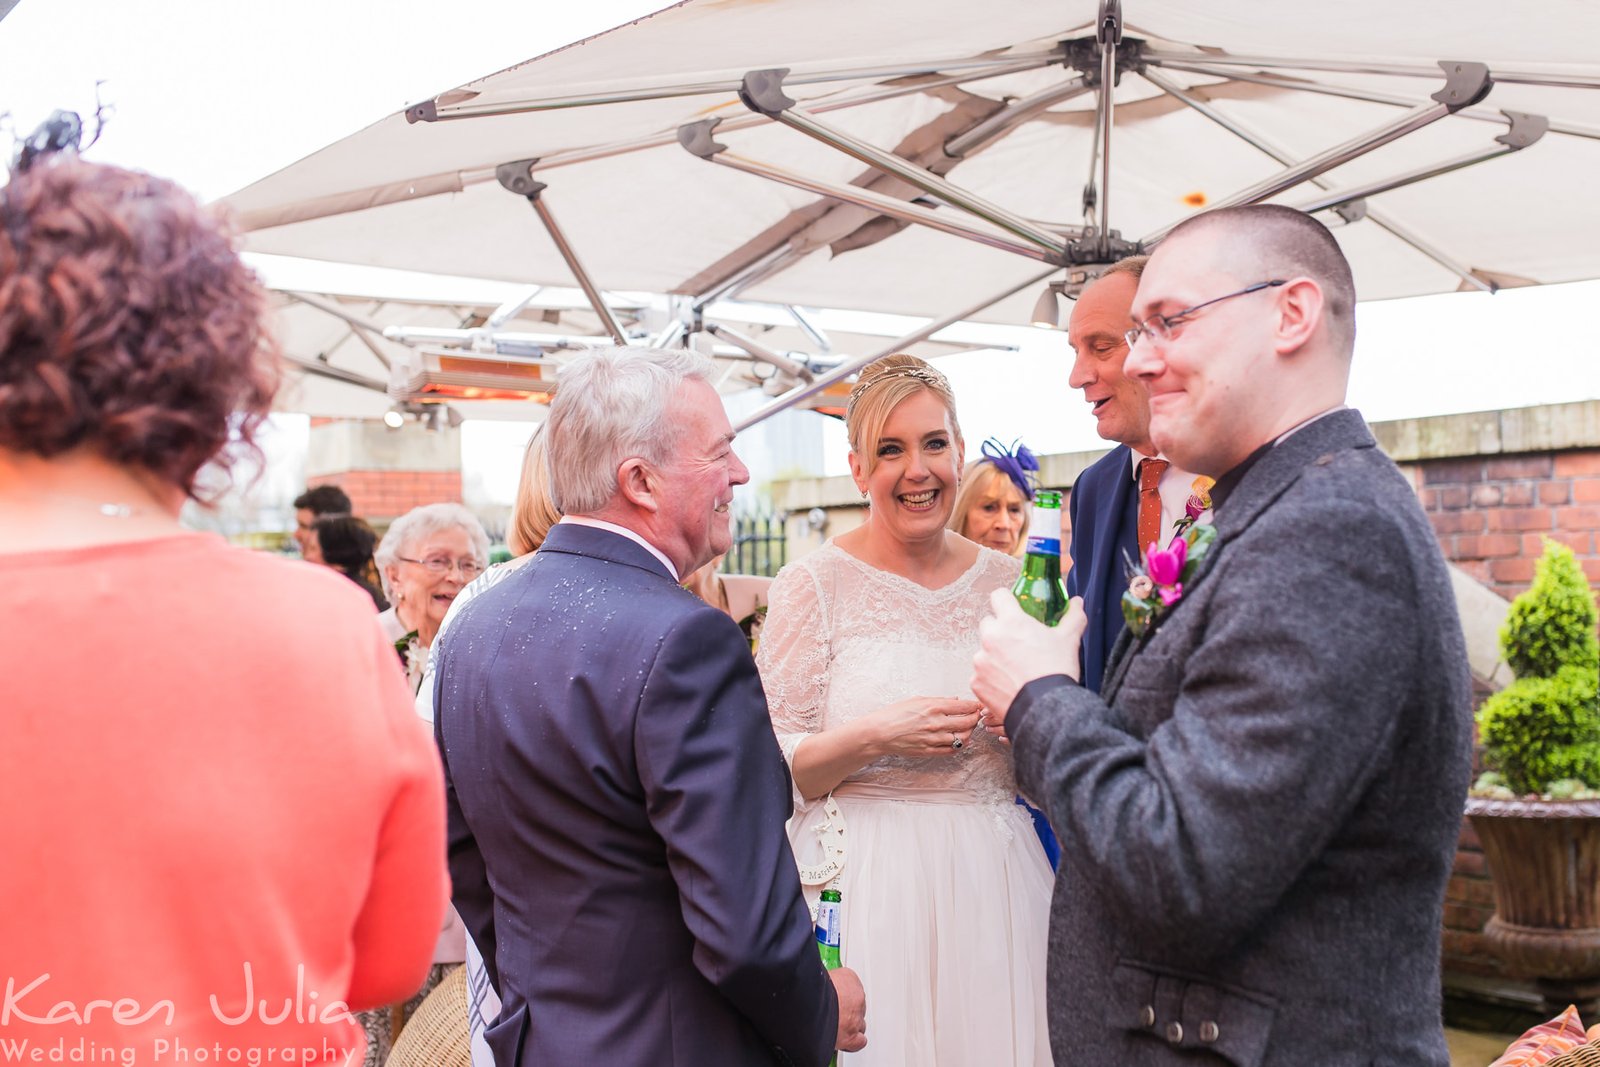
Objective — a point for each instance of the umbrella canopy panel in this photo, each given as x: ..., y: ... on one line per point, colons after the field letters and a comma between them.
x: 1208, y: 101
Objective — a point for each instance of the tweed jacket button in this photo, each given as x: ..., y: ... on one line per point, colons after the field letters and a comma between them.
x: 1175, y: 1033
x: 1147, y: 1017
x: 1209, y: 1031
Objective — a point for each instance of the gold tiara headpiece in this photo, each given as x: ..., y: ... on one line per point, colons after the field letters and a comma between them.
x: 926, y: 375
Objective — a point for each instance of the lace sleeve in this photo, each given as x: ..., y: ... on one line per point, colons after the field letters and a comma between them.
x: 793, y: 660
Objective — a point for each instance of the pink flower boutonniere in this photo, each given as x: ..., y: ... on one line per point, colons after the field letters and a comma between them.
x: 1157, y: 585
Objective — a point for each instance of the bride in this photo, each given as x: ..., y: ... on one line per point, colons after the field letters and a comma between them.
x: 904, y: 802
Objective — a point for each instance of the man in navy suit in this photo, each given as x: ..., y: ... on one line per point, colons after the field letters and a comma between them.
x: 1104, y: 506
x: 616, y: 795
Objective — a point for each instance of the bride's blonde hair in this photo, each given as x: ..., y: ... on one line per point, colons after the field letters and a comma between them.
x: 879, y: 389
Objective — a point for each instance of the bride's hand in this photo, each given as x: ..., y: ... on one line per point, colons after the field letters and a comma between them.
x: 925, y: 726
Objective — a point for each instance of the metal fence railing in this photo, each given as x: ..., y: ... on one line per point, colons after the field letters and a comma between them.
x: 760, y: 545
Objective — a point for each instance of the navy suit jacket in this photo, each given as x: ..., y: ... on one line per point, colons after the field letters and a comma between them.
x: 616, y: 805
x: 1105, y: 524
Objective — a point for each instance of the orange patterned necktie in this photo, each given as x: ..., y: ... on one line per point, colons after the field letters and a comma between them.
x: 1150, y: 471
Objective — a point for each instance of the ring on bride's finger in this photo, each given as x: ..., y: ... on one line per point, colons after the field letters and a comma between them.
x: 955, y: 740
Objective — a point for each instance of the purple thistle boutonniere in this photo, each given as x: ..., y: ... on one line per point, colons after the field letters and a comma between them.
x: 1157, y: 585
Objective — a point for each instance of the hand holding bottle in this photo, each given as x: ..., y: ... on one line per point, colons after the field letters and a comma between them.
x: 1014, y: 649
x: 852, y: 1010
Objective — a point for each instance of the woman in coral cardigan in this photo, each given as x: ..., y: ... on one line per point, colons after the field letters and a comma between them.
x: 223, y: 824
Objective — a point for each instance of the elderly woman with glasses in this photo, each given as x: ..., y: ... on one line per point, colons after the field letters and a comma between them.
x: 424, y: 560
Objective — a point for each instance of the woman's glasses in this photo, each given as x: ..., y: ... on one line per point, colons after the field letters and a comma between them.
x: 441, y: 564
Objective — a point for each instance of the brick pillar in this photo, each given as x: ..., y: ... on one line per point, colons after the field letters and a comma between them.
x: 386, y: 472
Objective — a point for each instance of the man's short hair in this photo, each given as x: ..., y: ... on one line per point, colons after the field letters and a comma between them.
x: 324, y: 500
x: 611, y: 405
x: 1274, y: 241
x: 1133, y: 265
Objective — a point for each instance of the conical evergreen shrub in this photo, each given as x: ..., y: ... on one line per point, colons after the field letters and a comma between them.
x: 1543, y: 729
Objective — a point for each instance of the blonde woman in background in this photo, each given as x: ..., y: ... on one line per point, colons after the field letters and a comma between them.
x: 992, y: 507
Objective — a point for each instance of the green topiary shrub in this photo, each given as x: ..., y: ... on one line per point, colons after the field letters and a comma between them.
x: 1541, y: 730
x: 1545, y: 726
x: 1552, y: 625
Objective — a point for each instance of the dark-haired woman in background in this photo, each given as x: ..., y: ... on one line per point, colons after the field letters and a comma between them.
x: 201, y: 823
x: 345, y: 543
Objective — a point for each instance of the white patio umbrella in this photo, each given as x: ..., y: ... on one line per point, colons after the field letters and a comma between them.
x: 934, y: 158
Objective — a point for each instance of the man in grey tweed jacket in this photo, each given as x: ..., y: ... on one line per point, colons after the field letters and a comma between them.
x: 1259, y: 813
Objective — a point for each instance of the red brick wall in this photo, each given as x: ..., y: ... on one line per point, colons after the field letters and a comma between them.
x: 1490, y: 513
x: 380, y: 497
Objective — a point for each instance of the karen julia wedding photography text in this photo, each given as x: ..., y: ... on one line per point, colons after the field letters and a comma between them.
x: 36, y: 1027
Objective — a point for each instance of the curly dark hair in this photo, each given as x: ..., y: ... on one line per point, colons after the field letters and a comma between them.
x: 128, y: 323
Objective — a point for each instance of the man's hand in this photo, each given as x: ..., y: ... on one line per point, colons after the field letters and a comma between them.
x: 1015, y: 648
x: 852, y: 1010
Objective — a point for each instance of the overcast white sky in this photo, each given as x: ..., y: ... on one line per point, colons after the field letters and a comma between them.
x: 216, y: 95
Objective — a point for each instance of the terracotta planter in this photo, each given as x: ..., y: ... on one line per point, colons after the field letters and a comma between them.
x: 1544, y: 857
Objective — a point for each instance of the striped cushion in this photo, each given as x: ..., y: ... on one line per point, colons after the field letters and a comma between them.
x: 1545, y: 1042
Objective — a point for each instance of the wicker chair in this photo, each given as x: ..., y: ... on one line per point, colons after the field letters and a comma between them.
x: 1582, y: 1056
x: 436, y: 1034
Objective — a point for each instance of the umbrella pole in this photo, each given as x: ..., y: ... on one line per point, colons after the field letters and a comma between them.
x: 1109, y: 35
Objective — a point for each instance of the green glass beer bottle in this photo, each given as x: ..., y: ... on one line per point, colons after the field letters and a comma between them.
x: 830, y: 927
x: 1040, y: 590
x: 830, y: 934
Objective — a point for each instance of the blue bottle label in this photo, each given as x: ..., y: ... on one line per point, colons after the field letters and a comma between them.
x: 1044, y: 546
x: 828, y: 923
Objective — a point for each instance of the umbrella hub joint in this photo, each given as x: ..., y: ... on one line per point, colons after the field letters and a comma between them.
x: 1098, y: 250
x: 1465, y: 84
x: 1083, y: 54
x: 762, y: 91
x: 517, y: 177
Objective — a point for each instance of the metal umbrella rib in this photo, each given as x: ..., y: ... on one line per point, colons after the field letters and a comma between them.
x: 1263, y: 144
x: 432, y: 111
x: 1372, y: 96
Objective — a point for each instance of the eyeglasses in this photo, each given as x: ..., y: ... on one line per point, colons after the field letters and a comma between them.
x: 441, y: 564
x: 1160, y: 327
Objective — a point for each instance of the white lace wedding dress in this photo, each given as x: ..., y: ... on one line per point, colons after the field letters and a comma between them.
x: 946, y: 889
